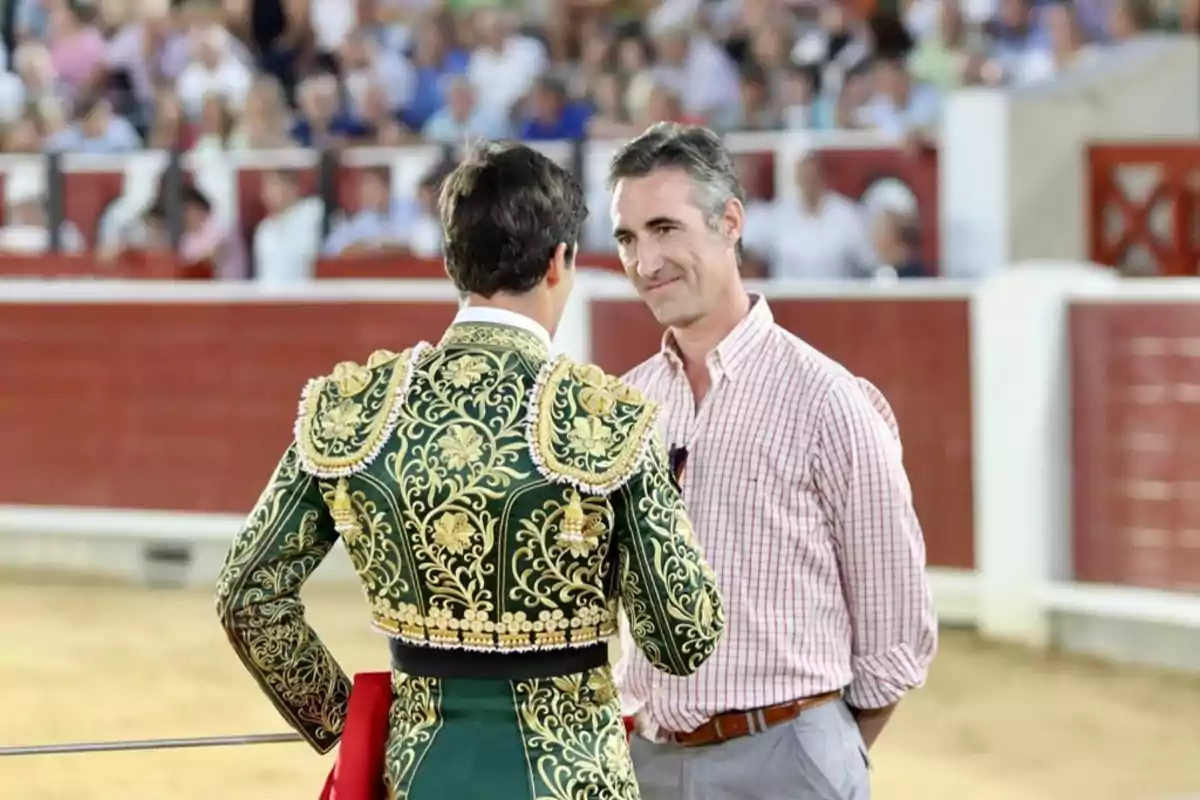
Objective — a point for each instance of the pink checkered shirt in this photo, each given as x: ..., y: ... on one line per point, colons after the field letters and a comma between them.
x: 797, y: 493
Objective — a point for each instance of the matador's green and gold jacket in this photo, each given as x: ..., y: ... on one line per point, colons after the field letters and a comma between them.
x: 496, y: 505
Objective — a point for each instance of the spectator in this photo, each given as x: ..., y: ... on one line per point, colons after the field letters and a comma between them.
x: 821, y: 235
x: 755, y: 110
x: 214, y: 69
x: 34, y: 66
x: 207, y: 240
x: 804, y: 106
x: 505, y: 64
x: 435, y: 61
x: 26, y: 229
x: 364, y: 63
x: 1067, y: 50
x: 940, y: 57
x: 288, y: 241
x: 323, y: 121
x: 265, y: 121
x: 609, y: 118
x: 698, y: 72
x: 98, y: 130
x: 900, y: 107
x: 150, y: 51
x: 896, y: 239
x: 463, y: 118
x: 551, y: 115
x: 381, y: 223
x: 77, y: 47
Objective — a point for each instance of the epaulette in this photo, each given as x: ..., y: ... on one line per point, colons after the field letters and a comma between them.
x: 587, y: 428
x: 346, y: 417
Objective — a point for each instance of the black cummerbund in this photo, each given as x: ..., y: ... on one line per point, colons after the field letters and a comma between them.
x: 438, y: 662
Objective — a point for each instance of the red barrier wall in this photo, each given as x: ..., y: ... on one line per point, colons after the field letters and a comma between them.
x: 186, y: 406
x: 171, y: 406
x: 1135, y: 387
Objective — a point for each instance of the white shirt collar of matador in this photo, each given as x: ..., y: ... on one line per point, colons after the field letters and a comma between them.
x: 501, y: 316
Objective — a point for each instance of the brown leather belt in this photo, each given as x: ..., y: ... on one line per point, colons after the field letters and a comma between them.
x: 735, y: 724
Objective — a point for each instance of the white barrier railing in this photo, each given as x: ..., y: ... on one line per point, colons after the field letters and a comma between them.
x: 1021, y: 588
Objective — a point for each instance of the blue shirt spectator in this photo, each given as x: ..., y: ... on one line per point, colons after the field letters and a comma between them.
x: 552, y: 116
x: 99, y: 130
x: 463, y: 118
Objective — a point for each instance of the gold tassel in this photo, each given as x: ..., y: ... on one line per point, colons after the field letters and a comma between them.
x: 345, y: 521
x: 573, y: 517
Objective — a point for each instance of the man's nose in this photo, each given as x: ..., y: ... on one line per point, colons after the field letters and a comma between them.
x: 649, y: 260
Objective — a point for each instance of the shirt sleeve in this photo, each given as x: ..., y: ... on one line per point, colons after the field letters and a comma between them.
x: 880, y: 547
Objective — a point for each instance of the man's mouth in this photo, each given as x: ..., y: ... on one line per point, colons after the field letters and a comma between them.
x: 661, y: 284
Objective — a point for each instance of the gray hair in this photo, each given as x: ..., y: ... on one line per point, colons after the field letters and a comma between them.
x: 694, y: 150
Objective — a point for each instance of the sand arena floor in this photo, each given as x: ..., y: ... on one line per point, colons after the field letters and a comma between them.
x: 99, y: 662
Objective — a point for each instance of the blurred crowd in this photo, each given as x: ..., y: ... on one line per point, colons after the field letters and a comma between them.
x: 210, y: 76
x: 116, y: 75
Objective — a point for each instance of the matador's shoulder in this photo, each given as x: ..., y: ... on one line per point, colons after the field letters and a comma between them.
x: 589, y: 429
x: 346, y: 416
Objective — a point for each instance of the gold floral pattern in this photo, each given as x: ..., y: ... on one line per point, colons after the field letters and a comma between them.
x: 340, y: 422
x: 574, y: 738
x: 336, y: 435
x: 589, y: 436
x: 462, y: 372
x: 453, y: 532
x: 414, y: 719
x: 461, y: 446
x: 573, y: 442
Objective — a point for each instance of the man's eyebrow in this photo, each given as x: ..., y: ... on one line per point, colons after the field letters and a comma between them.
x: 656, y: 222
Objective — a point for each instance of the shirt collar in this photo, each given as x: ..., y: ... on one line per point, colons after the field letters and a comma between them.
x: 480, y: 315
x: 737, y: 348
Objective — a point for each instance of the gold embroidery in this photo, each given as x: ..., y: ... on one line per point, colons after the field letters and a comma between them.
x: 573, y: 736
x: 349, y: 378
x: 415, y: 720
x: 453, y: 532
x: 345, y: 521
x: 463, y: 372
x: 572, y: 442
x: 380, y: 357
x: 338, y: 436
x: 667, y: 588
x: 461, y: 446
x: 285, y: 538
x: 492, y: 336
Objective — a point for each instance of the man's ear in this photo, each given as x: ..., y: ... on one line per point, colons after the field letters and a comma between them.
x: 733, y: 221
x: 558, y: 265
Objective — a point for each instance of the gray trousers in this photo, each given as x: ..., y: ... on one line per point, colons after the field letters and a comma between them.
x: 818, y: 756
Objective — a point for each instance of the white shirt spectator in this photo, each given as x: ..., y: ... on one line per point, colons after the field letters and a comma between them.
x: 332, y: 21
x: 502, y: 77
x: 706, y: 82
x: 215, y: 69
x: 286, y: 246
x: 831, y: 243
x: 884, y: 115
